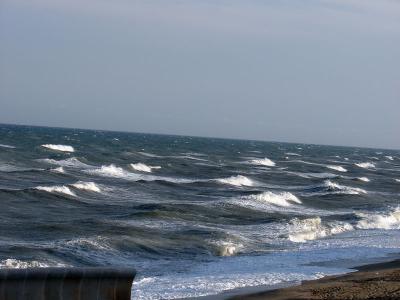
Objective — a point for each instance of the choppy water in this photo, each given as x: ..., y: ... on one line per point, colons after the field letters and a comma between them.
x: 194, y: 216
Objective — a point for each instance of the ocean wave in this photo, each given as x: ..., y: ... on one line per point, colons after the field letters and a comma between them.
x: 143, y: 167
x: 58, y: 170
x: 304, y: 230
x: 118, y: 172
x: 292, y: 154
x: 365, y: 179
x: 283, y: 199
x: 263, y: 162
x: 342, y: 189
x: 62, y: 148
x: 58, y: 189
x: 87, y: 186
x: 7, y: 146
x: 365, y: 165
x: 149, y: 154
x: 238, y: 180
x: 226, y: 248
x: 12, y: 263
x: 323, y: 175
x: 390, y: 220
x: 389, y: 157
x: 397, y: 180
x: 72, y: 162
x: 336, y: 168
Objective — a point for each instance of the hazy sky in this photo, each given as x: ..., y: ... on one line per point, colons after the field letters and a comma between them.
x: 302, y: 71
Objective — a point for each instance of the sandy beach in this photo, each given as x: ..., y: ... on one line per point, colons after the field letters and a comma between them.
x: 375, y: 281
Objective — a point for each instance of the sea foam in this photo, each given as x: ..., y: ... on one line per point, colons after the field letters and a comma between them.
x: 342, y: 189
x: 263, y: 162
x: 7, y: 146
x: 143, y: 167
x: 304, y: 230
x: 72, y: 162
x: 365, y: 165
x: 284, y: 199
x: 238, y: 180
x: 63, y: 148
x: 336, y: 168
x: 87, y: 186
x: 58, y: 189
x: 390, y: 220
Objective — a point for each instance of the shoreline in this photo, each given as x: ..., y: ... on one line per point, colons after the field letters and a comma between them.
x: 378, y: 270
x: 371, y: 281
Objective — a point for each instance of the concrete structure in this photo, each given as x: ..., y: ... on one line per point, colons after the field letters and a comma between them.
x: 66, y: 284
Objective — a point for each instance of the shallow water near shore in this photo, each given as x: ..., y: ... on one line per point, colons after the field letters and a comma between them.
x: 194, y: 216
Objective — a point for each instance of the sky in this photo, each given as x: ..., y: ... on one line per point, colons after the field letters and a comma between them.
x: 323, y: 72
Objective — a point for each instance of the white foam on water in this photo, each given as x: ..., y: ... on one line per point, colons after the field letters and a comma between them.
x: 143, y: 167
x: 63, y: 148
x: 238, y: 180
x: 149, y: 154
x: 71, y: 162
x: 343, y: 189
x: 365, y: 165
x: 87, y: 186
x: 336, y: 168
x: 292, y: 154
x: 397, y: 180
x: 390, y: 220
x: 58, y: 170
x: 7, y: 146
x: 365, y: 179
x: 58, y: 189
x: 389, y: 157
x: 312, y: 228
x: 323, y: 175
x: 263, y: 162
x: 12, y: 263
x: 284, y: 199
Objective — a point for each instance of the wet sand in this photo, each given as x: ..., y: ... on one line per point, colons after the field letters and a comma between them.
x: 375, y: 281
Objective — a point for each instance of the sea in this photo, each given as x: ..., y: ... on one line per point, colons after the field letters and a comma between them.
x: 194, y: 216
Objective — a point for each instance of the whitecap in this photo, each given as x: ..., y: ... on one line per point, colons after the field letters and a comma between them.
x: 397, y: 180
x: 304, y: 230
x: 284, y: 199
x: 390, y: 220
x: 58, y: 170
x: 72, y: 162
x: 7, y: 146
x: 59, y: 189
x: 342, y: 189
x: 238, y: 180
x: 365, y: 165
x: 63, y: 148
x: 336, y: 168
x: 365, y: 179
x: 263, y: 162
x: 389, y: 157
x: 12, y: 263
x: 87, y: 186
x: 226, y: 248
x: 143, y: 167
x: 292, y: 154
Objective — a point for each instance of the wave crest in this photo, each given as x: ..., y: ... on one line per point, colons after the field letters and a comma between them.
x: 62, y: 148
x: 143, y: 167
x: 284, y: 199
x: 238, y: 180
x: 336, y: 168
x: 342, y: 189
x: 69, y: 162
x: 87, y: 186
x: 390, y: 220
x: 263, y: 162
x: 59, y: 189
x: 365, y: 165
x: 312, y: 228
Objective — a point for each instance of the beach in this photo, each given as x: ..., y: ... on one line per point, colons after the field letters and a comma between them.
x: 375, y: 281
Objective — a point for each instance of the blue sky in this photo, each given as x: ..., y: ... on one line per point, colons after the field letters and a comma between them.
x: 302, y: 71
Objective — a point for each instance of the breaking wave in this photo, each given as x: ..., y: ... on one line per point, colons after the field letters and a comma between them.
x: 337, y: 168
x: 263, y: 162
x: 69, y: 162
x: 304, y: 230
x: 365, y: 165
x: 12, y: 263
x: 238, y: 180
x: 284, y: 199
x: 389, y: 157
x: 7, y: 146
x: 390, y: 220
x: 143, y: 167
x: 58, y: 189
x: 365, y: 179
x: 87, y: 186
x: 63, y: 148
x: 335, y: 188
x: 58, y: 170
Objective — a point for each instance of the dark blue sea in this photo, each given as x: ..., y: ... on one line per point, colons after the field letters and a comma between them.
x: 194, y: 216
